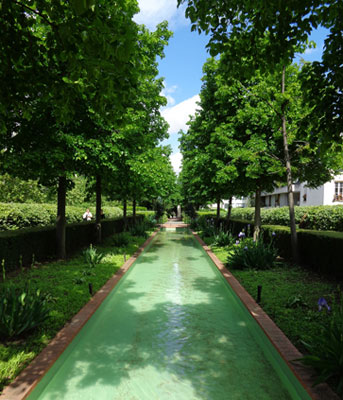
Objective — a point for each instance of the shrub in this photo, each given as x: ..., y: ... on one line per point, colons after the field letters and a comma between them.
x: 17, y: 247
x: 162, y: 219
x: 208, y: 231
x: 326, y: 350
x: 138, y: 208
x: 324, y: 218
x: 223, y: 239
x: 17, y: 216
x: 193, y: 223
x: 21, y: 311
x: 249, y: 254
x: 150, y: 221
x: 92, y: 257
x: 121, y: 239
x: 139, y: 229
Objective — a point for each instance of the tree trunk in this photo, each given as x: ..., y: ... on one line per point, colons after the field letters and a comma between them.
x: 134, y: 210
x: 98, y: 209
x: 61, y: 218
x: 257, y: 218
x: 218, y: 211
x: 125, y: 213
x: 229, y: 209
x: 294, y: 239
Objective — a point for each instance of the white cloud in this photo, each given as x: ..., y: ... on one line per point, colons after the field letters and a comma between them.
x: 152, y: 12
x: 167, y: 92
x: 178, y: 115
x: 176, y: 159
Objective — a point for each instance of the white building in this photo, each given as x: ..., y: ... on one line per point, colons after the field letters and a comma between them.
x: 331, y: 193
x: 236, y: 203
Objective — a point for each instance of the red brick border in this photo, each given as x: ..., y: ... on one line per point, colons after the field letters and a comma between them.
x: 174, y: 225
x: 28, y: 379
x: 280, y: 341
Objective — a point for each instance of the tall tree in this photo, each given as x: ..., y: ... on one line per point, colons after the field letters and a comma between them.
x: 258, y: 36
x: 323, y: 81
x: 85, y: 65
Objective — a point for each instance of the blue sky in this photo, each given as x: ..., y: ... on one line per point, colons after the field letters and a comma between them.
x: 182, y: 65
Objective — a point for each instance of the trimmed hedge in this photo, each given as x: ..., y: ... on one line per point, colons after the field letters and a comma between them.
x: 138, y: 208
x: 318, y: 250
x: 17, y: 216
x: 323, y: 218
x: 40, y: 243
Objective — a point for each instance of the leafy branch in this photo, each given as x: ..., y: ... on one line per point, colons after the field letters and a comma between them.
x: 35, y: 12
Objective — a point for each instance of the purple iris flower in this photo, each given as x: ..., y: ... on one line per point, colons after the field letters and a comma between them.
x: 323, y: 303
x: 273, y: 234
x: 237, y: 242
x: 241, y: 235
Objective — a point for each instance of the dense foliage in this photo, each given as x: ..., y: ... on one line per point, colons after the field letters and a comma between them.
x: 262, y: 38
x: 16, y: 216
x: 82, y: 97
x: 323, y: 218
x: 325, y: 349
x: 249, y: 254
x: 21, y: 310
x: 319, y: 250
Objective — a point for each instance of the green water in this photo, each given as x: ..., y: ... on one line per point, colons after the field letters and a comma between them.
x: 172, y: 329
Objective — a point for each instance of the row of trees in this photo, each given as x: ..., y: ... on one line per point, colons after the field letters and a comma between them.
x: 264, y: 120
x: 80, y: 95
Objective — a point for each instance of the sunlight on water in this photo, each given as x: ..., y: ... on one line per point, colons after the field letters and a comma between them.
x: 172, y: 329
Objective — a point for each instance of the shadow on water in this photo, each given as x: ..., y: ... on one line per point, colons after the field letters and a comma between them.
x: 203, y: 345
x: 147, y: 258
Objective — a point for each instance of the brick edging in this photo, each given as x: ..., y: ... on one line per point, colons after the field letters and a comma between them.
x: 28, y: 379
x: 279, y: 340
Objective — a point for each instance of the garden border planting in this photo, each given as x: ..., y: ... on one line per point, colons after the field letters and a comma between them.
x: 20, y: 247
x: 318, y: 250
x: 26, y: 381
x: 282, y: 344
x: 323, y: 218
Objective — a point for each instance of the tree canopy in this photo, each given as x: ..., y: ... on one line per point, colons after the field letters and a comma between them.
x: 81, y: 93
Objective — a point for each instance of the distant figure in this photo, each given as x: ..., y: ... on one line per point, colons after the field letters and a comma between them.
x: 87, y: 216
x: 102, y: 214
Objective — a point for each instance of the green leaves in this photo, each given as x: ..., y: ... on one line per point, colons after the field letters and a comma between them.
x: 82, y: 6
x: 21, y: 311
x: 249, y: 254
x: 326, y: 350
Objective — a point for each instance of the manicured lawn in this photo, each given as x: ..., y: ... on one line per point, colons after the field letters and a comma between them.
x: 289, y: 296
x: 66, y: 299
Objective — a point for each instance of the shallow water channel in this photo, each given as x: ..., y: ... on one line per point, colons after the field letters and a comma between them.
x: 171, y: 329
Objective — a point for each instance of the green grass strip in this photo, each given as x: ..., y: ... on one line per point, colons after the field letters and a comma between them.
x: 66, y: 299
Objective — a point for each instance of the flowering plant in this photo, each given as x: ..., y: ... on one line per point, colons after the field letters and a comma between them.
x: 326, y: 347
x: 323, y: 303
x: 249, y: 254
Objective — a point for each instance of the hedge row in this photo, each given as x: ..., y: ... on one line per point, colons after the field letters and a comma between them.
x: 318, y: 250
x: 17, y: 216
x: 322, y: 218
x: 138, y: 208
x: 40, y: 243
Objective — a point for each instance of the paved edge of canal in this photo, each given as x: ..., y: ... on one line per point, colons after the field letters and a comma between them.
x: 28, y: 379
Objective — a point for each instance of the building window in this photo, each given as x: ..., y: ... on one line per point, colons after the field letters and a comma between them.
x: 338, y: 191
